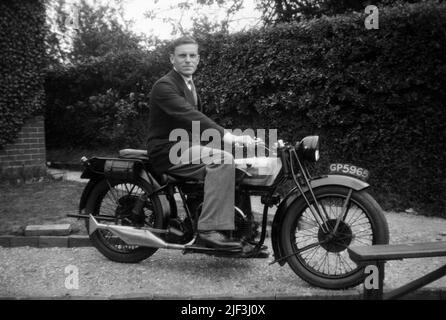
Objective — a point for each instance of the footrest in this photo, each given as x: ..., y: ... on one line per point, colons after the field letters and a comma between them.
x: 199, y: 249
x: 229, y: 253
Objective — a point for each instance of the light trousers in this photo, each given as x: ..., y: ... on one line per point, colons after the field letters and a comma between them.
x: 217, y: 169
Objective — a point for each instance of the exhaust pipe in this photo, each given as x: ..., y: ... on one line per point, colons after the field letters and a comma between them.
x: 133, y: 236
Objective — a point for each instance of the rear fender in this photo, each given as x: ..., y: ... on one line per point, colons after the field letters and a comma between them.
x: 164, y: 201
x: 94, y: 179
x: 89, y: 174
x: 294, y: 195
x: 143, y: 175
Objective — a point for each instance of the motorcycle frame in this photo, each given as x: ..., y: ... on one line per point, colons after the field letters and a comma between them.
x: 286, y: 173
x: 167, y: 189
x: 266, y: 192
x: 306, y: 185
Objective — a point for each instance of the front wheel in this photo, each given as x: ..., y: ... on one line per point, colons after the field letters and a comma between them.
x: 324, y: 261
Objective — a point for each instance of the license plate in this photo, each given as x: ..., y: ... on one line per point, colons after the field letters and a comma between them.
x: 349, y: 169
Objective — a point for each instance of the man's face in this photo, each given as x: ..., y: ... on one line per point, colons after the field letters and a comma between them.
x: 185, y: 59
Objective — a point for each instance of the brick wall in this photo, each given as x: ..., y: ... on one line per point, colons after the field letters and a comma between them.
x: 27, y: 155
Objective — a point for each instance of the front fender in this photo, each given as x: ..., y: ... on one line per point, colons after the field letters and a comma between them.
x: 294, y: 195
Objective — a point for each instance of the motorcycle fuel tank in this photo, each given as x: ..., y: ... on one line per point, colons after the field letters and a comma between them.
x: 263, y: 170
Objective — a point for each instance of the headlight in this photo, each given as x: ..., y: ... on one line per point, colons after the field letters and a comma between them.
x: 308, y: 148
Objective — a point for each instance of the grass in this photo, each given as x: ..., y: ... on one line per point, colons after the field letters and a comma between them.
x: 46, y: 202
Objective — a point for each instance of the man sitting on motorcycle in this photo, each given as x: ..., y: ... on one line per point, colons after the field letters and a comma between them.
x: 174, y: 104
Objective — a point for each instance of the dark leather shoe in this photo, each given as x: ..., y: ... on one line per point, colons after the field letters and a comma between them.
x: 216, y: 240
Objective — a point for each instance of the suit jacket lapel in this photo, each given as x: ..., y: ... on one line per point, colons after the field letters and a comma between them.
x: 183, y: 87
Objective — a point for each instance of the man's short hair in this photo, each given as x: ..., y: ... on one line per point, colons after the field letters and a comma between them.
x: 182, y: 40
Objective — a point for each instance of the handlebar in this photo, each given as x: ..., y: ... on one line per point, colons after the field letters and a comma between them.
x: 257, y: 142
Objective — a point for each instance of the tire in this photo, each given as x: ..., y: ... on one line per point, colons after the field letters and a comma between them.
x: 364, y: 224
x: 101, y: 201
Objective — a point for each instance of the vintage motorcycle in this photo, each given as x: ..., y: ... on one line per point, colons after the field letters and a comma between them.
x: 131, y: 211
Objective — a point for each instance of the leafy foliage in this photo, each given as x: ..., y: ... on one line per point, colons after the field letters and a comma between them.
x: 376, y: 97
x: 279, y: 11
x: 22, y: 29
x: 202, y: 14
x: 100, y: 32
x: 83, y: 31
x: 102, y: 102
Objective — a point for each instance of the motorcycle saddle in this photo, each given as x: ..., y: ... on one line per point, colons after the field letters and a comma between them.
x: 133, y: 154
x: 162, y: 178
x: 142, y: 155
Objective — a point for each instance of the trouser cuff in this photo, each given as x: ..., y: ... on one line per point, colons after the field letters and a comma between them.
x: 204, y: 227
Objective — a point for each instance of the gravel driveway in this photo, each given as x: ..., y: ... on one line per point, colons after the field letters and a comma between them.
x: 41, y: 272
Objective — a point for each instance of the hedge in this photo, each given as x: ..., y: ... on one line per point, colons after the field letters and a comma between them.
x: 22, y: 58
x: 103, y: 102
x: 376, y: 97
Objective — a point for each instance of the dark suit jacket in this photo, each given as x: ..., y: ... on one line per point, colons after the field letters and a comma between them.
x: 172, y: 107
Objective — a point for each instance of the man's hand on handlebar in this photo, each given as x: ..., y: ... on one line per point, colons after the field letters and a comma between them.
x: 245, y: 140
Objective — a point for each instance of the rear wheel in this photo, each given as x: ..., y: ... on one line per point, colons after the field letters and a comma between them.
x: 116, y: 199
x: 324, y: 260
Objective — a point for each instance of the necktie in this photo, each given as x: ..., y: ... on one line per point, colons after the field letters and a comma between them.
x: 192, y: 89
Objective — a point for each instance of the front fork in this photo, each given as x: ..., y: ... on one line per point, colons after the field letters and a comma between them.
x: 318, y: 214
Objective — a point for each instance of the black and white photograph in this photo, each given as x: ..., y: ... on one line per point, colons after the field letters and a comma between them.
x: 228, y: 156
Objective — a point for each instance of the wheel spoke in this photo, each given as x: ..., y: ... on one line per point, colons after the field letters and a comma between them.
x: 319, y: 263
x: 363, y: 231
x: 315, y: 263
x: 307, y: 234
x: 311, y: 251
x: 338, y: 264
x: 352, y: 216
x: 327, y: 257
x: 361, y: 224
x: 309, y: 222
